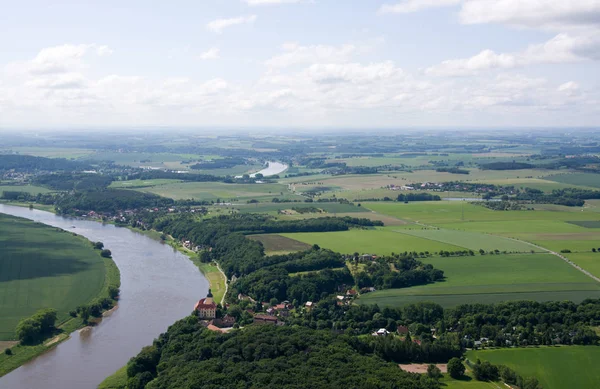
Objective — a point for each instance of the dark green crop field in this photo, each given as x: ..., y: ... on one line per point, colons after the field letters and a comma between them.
x: 44, y: 267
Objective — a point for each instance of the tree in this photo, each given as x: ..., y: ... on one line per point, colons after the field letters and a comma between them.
x: 485, y: 371
x: 28, y: 330
x: 98, y: 245
x: 113, y: 292
x: 434, y: 372
x: 531, y: 383
x: 456, y: 369
x: 106, y: 253
x: 84, y: 312
x: 8, y: 352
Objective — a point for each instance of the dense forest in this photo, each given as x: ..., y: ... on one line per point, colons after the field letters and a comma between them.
x: 30, y: 164
x: 188, y: 355
x: 109, y: 201
x: 319, y: 272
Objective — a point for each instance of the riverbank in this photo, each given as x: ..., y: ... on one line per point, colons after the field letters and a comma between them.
x: 41, y: 207
x: 21, y: 354
x: 216, y: 278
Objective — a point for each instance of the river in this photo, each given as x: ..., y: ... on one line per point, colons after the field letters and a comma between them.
x: 271, y: 169
x: 159, y: 285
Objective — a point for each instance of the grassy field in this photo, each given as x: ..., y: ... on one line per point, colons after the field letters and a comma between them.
x: 494, y: 278
x: 578, y: 179
x: 44, y: 267
x: 54, y: 152
x: 216, y: 279
x: 325, y: 207
x: 222, y: 191
x: 387, y: 220
x: 31, y: 189
x: 588, y: 261
x: 118, y: 380
x: 376, y: 241
x: 277, y: 244
x: 470, y: 240
x: 141, y: 183
x: 562, y: 367
x: 445, y: 212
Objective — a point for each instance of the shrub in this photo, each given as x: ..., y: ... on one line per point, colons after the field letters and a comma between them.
x: 565, y: 251
x: 456, y: 369
x: 106, y: 253
x: 8, y: 351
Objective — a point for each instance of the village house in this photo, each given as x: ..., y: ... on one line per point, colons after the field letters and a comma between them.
x: 308, y: 305
x: 381, y: 332
x: 351, y: 293
x: 223, y: 322
x: 402, y: 330
x: 265, y: 319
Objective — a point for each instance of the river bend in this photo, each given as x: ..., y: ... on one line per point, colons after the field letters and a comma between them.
x: 159, y: 285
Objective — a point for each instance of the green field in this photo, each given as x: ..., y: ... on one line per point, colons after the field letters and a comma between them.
x: 325, y: 207
x: 580, y: 179
x: 565, y: 367
x: 43, y: 267
x: 31, y: 189
x: 494, y: 278
x: 277, y: 244
x: 222, y: 191
x: 141, y: 183
x: 375, y: 241
x: 470, y: 240
x: 445, y: 212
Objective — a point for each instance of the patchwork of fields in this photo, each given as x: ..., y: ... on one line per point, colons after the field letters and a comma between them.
x: 494, y: 278
x: 218, y: 190
x: 43, y: 267
x: 375, y: 241
x: 555, y: 367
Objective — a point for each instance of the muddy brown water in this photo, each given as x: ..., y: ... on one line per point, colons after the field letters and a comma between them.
x: 159, y: 285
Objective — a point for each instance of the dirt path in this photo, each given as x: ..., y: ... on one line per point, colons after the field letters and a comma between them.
x: 567, y: 260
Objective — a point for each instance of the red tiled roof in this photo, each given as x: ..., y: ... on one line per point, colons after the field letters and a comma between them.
x: 265, y: 317
x: 201, y: 304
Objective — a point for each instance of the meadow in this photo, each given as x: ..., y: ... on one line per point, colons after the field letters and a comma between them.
x: 372, y: 241
x: 277, y: 244
x: 562, y: 367
x: 463, y: 213
x: 325, y: 207
x: 494, y: 278
x: 31, y: 189
x: 222, y: 191
x: 578, y: 179
x: 470, y: 240
x: 43, y: 267
x: 131, y: 184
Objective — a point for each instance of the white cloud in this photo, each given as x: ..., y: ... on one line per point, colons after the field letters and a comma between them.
x: 304, y: 84
x: 254, y: 3
x: 560, y: 49
x: 295, y: 54
x: 217, y: 26
x: 352, y: 72
x: 103, y: 50
x: 532, y: 13
x: 407, y: 6
x: 212, y: 53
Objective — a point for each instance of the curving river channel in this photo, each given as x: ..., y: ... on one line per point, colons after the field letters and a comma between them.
x: 159, y: 285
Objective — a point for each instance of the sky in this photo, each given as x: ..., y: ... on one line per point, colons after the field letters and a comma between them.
x: 300, y: 63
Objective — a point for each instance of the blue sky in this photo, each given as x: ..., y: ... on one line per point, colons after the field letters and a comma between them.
x: 295, y: 63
